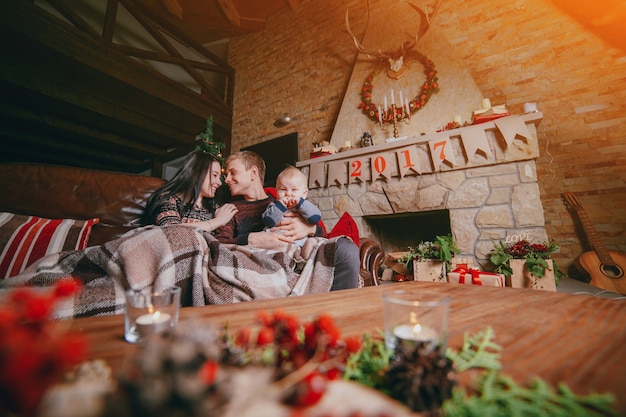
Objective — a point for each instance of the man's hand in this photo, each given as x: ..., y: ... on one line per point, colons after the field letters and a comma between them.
x: 267, y: 240
x: 294, y: 227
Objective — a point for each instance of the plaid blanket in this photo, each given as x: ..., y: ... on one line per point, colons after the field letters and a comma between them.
x: 208, y: 272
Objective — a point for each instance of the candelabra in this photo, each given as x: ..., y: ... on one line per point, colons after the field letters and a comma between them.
x: 394, y: 115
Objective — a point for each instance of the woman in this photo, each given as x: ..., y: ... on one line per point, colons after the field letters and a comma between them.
x: 190, y: 197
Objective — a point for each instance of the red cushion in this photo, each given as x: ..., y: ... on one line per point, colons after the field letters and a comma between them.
x: 346, y: 226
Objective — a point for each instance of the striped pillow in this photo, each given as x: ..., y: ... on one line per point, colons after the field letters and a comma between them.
x: 25, y: 239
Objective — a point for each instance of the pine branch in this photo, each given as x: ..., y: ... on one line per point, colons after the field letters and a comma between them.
x: 478, y: 351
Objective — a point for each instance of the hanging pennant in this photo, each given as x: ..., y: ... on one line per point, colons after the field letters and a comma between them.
x: 474, y: 138
x: 337, y: 174
x: 408, y: 161
x: 317, y: 175
x: 440, y: 151
x: 380, y: 166
x: 512, y: 126
x: 357, y: 171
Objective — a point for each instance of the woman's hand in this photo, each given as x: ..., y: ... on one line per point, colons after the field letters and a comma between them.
x: 223, y: 214
x: 294, y: 227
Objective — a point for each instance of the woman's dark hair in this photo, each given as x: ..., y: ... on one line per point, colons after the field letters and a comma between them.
x: 187, y: 184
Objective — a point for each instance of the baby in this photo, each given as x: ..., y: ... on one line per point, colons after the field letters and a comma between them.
x: 291, y: 192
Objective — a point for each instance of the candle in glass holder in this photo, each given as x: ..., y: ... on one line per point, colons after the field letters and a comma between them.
x: 152, y: 323
x: 415, y: 333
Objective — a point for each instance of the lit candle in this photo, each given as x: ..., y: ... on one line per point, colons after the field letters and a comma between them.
x: 153, y: 323
x: 416, y: 333
x: 386, y: 103
x: 486, y: 103
x: 393, y: 99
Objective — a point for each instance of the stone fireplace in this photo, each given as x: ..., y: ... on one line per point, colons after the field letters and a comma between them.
x: 484, y: 190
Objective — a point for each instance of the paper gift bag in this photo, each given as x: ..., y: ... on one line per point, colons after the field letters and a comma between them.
x: 430, y: 271
x: 522, y: 278
x: 476, y: 277
x: 391, y: 260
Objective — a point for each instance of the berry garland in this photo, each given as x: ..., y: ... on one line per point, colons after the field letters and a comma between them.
x: 429, y: 87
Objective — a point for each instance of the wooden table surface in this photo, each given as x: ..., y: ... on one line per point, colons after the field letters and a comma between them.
x: 576, y: 339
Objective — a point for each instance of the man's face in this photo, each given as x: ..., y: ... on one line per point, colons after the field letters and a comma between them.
x: 238, y: 178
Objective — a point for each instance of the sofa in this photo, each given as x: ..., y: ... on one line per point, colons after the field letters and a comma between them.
x: 98, y: 206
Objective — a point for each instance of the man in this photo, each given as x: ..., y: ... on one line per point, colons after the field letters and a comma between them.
x: 245, y: 174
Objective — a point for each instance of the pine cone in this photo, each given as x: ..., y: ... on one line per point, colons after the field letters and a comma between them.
x: 421, y: 380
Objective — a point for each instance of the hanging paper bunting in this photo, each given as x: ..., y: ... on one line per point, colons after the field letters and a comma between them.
x: 317, y: 175
x: 512, y: 126
x: 380, y: 166
x: 474, y: 138
x: 358, y: 171
x: 337, y: 173
x: 440, y: 151
x: 408, y: 161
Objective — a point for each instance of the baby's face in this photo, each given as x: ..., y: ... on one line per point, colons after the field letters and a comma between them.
x: 291, y: 187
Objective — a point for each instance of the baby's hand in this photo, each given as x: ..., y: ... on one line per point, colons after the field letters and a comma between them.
x: 290, y: 202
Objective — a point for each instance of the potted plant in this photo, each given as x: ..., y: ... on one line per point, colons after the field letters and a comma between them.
x: 527, y: 265
x: 431, y: 260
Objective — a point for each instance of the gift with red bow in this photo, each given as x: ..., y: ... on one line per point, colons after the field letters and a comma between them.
x: 476, y: 277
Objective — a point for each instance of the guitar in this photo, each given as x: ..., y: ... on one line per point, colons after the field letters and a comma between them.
x: 606, y: 268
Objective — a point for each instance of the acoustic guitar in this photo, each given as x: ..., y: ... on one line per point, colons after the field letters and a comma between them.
x: 606, y: 268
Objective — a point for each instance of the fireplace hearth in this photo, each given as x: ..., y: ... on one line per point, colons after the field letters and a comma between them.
x: 396, y: 232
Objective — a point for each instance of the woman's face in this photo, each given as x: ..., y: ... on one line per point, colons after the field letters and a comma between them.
x: 212, y: 180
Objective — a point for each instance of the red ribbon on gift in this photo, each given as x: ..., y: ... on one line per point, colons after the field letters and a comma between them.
x: 475, y: 274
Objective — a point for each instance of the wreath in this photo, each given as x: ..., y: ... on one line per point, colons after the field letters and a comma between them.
x: 418, y: 102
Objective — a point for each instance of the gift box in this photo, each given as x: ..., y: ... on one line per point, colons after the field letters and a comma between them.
x: 522, y: 278
x: 391, y: 260
x: 429, y: 271
x: 476, y: 277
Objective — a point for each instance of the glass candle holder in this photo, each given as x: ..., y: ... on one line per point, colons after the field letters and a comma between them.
x: 416, y: 319
x: 150, y: 312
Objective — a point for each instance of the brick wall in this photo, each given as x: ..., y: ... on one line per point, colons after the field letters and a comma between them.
x: 516, y: 51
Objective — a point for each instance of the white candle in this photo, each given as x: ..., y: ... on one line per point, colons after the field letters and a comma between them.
x: 415, y: 333
x: 457, y: 119
x: 347, y: 144
x: 156, y: 322
x: 386, y: 103
x: 393, y: 99
x: 401, y: 99
x: 380, y: 115
x: 486, y: 103
x: 408, y: 108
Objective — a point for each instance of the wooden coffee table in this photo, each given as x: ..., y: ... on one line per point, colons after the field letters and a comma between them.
x: 576, y: 339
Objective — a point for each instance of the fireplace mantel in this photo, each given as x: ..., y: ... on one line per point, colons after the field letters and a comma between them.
x: 507, y: 139
x: 487, y: 182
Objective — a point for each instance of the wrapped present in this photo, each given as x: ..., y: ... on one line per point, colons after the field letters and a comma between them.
x: 476, y: 277
x: 522, y: 278
x: 429, y: 271
x: 391, y: 260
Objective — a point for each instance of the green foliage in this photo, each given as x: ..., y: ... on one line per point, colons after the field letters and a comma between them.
x: 442, y: 249
x: 535, y: 255
x: 497, y: 395
x: 492, y: 394
x: 478, y: 351
x: 369, y: 364
x: 207, y: 144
